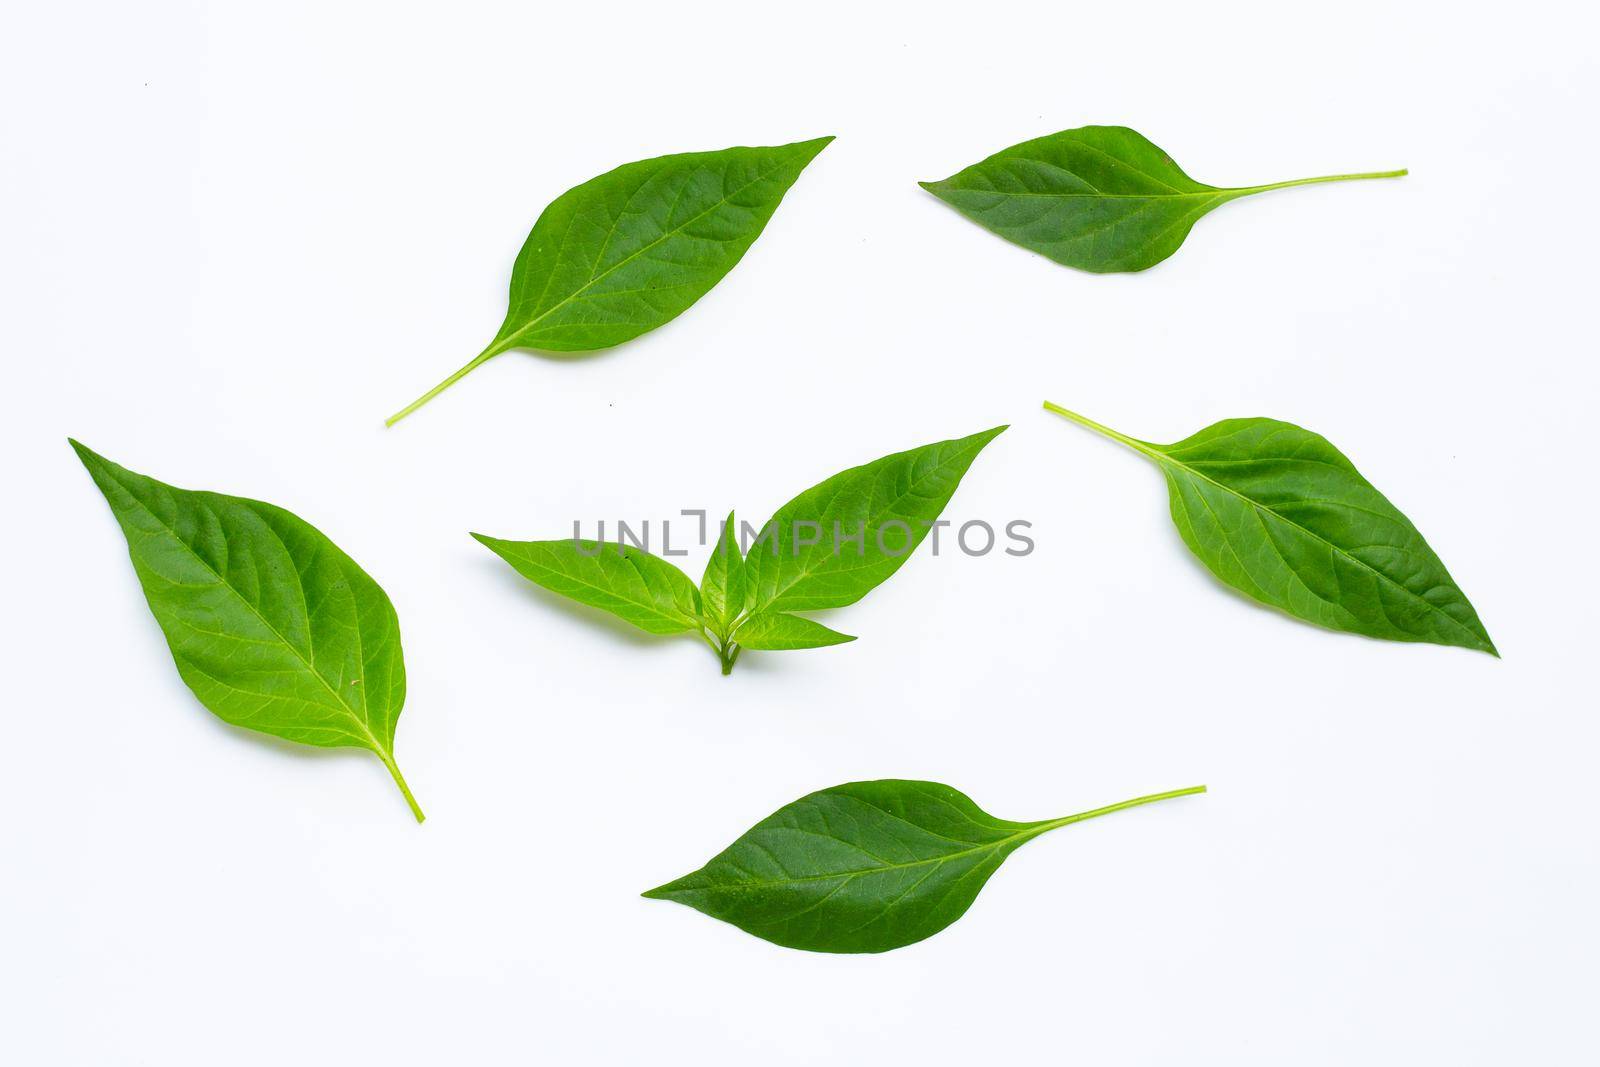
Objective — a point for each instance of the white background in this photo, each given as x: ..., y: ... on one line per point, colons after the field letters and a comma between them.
x: 231, y: 241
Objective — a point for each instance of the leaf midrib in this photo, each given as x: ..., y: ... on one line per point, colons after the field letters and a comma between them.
x: 1218, y: 193
x: 1032, y: 830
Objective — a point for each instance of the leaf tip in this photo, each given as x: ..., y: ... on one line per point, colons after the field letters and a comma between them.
x: 814, y: 147
x: 86, y: 455
x: 990, y: 434
x: 658, y: 893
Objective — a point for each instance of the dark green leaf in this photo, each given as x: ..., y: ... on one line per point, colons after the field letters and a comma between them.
x: 838, y: 540
x: 778, y: 632
x: 1281, y: 515
x: 863, y: 867
x: 270, y: 624
x: 631, y: 250
x: 1099, y: 198
x: 629, y: 583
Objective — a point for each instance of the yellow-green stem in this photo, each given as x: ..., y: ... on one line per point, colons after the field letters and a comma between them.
x: 477, y: 361
x: 1123, y: 806
x: 405, y: 790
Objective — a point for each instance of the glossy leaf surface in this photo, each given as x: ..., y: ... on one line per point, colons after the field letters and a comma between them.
x: 632, y: 249
x: 722, y: 589
x: 621, y: 579
x: 881, y: 511
x: 837, y: 541
x: 863, y: 867
x: 1281, y: 515
x: 1098, y: 198
x: 775, y: 631
x: 271, y: 626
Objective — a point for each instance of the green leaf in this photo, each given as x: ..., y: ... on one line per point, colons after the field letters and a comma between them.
x: 810, y: 555
x: 863, y: 867
x: 881, y: 511
x: 1281, y: 515
x: 270, y: 624
x: 626, y: 581
x: 631, y: 250
x: 778, y: 632
x: 722, y: 589
x: 1099, y: 198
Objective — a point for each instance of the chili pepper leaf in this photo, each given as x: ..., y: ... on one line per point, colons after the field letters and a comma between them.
x: 863, y: 867
x: 879, y: 512
x: 837, y: 541
x: 1281, y: 515
x: 270, y: 624
x: 1098, y: 198
x: 722, y: 588
x: 775, y: 631
x: 632, y: 249
x: 622, y: 579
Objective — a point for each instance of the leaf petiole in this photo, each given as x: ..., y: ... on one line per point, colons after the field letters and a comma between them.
x: 1051, y: 824
x: 477, y: 361
x: 1105, y: 431
x: 1401, y: 173
x: 405, y: 790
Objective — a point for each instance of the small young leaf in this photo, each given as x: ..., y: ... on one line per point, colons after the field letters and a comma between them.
x: 271, y: 626
x: 775, y: 631
x: 837, y: 541
x: 1281, y: 515
x: 1099, y: 198
x: 826, y: 548
x: 631, y: 250
x: 863, y: 867
x: 722, y: 589
x: 629, y: 583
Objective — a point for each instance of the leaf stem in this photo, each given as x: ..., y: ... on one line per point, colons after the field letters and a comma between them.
x: 721, y: 645
x: 1106, y: 431
x: 477, y: 361
x: 399, y: 780
x: 1051, y: 824
x: 1401, y: 173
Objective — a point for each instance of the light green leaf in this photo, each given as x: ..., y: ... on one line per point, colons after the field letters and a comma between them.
x: 270, y: 624
x: 626, y: 581
x: 631, y: 250
x: 863, y: 867
x: 1281, y: 515
x: 838, y: 540
x: 1099, y: 198
x: 778, y: 632
x: 882, y: 511
x: 722, y: 589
